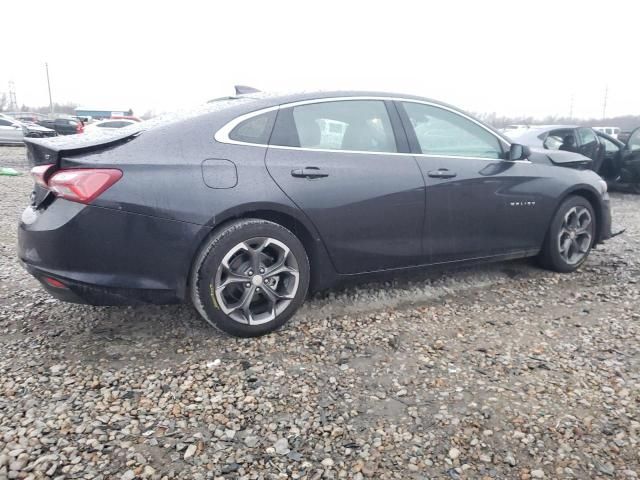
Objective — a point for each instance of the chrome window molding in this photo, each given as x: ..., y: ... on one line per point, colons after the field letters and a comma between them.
x: 222, y: 135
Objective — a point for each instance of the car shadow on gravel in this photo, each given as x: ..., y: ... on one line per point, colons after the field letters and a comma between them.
x: 172, y: 333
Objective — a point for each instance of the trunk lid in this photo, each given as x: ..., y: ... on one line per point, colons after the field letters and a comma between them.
x: 42, y: 151
x: 50, y: 151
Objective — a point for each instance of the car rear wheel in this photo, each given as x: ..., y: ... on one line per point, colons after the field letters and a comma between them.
x: 570, y: 236
x: 250, y: 278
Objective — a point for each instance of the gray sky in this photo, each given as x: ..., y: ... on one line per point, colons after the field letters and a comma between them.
x: 524, y: 57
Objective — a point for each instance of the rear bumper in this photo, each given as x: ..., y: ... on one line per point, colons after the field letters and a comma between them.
x: 92, y: 294
x: 104, y: 256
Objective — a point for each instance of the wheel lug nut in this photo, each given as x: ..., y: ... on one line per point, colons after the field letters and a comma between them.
x: 247, y: 284
x: 250, y: 272
x: 261, y: 270
x: 258, y: 289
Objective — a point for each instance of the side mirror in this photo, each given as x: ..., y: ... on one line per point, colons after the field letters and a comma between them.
x: 15, y: 125
x: 519, y: 152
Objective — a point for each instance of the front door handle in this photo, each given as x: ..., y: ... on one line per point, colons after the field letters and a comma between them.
x: 441, y: 173
x: 308, y: 172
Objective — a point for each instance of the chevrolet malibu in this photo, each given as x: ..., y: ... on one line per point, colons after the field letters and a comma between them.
x: 248, y: 204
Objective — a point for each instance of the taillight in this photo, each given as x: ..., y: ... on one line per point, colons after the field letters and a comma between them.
x: 82, y: 185
x: 79, y: 128
x: 39, y: 174
x: 53, y: 282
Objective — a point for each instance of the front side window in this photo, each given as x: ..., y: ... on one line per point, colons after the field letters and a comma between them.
x: 255, y: 129
x: 586, y: 136
x: 5, y: 123
x: 353, y: 125
x: 444, y: 133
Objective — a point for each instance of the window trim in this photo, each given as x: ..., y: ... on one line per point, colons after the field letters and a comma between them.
x: 222, y: 135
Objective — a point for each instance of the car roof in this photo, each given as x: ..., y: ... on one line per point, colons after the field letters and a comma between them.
x: 236, y: 105
x: 279, y: 98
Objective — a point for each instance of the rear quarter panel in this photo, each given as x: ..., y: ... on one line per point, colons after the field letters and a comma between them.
x: 163, y: 178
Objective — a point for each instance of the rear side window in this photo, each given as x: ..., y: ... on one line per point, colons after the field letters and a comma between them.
x: 557, y: 138
x: 255, y: 129
x: 352, y: 125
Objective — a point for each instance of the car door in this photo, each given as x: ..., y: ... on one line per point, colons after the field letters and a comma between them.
x: 631, y: 159
x: 10, y: 132
x: 612, y: 157
x: 477, y: 203
x: 338, y: 161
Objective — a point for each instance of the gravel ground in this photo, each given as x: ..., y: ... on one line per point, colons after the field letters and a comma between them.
x: 506, y: 371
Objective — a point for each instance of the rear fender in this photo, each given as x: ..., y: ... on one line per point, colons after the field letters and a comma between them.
x: 323, y: 273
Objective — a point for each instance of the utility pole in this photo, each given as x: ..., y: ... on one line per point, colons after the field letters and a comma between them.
x: 604, y: 104
x: 571, y: 107
x: 46, y: 66
x: 13, y: 103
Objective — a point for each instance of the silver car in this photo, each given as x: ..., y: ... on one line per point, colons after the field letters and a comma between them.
x: 13, y: 131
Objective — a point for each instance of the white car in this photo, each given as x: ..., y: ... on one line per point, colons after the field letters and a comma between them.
x: 13, y: 132
x: 611, y: 131
x: 109, y: 124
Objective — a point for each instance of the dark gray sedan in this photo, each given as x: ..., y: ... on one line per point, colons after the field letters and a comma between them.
x: 245, y: 206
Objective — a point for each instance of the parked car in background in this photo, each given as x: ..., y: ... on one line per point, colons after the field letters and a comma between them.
x: 611, y: 131
x: 249, y: 203
x: 126, y: 117
x: 621, y: 160
x: 109, y: 125
x: 27, y: 116
x: 624, y: 136
x: 64, y: 126
x: 513, y: 129
x: 13, y: 132
x: 616, y: 161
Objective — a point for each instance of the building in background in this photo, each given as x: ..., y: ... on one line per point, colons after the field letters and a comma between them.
x: 100, y: 114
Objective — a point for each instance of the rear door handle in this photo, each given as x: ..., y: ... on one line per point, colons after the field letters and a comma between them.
x: 308, y: 172
x: 441, y: 173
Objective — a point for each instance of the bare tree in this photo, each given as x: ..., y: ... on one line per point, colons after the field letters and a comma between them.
x: 3, y: 101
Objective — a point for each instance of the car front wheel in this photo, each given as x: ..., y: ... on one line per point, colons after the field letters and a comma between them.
x: 570, y: 237
x: 250, y: 278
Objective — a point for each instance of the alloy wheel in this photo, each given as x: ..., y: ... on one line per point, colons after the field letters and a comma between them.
x: 256, y: 280
x: 574, y: 239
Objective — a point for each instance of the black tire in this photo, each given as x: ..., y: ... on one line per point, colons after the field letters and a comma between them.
x: 206, y: 271
x: 551, y: 256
